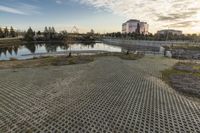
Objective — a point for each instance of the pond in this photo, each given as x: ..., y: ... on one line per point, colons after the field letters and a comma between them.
x: 30, y: 50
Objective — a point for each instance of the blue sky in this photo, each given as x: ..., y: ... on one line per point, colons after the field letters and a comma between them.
x: 62, y: 15
x: 100, y: 15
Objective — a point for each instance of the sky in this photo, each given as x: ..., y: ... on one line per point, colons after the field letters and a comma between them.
x: 101, y: 15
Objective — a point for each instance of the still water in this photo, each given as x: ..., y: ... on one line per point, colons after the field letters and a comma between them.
x: 30, y: 50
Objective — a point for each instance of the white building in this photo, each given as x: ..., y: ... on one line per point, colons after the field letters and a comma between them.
x: 144, y: 28
x: 132, y: 25
x: 170, y: 31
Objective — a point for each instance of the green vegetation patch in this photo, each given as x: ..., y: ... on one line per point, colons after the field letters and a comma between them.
x: 184, y: 77
x: 124, y: 56
x: 184, y: 46
x: 45, y: 61
x: 181, y: 68
x: 61, y: 60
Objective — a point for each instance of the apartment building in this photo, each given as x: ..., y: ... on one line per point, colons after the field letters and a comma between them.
x: 170, y: 31
x: 134, y: 25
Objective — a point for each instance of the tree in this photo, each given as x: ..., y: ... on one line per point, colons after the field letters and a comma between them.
x: 46, y: 33
x: 53, y: 30
x: 29, y: 36
x: 1, y: 33
x: 138, y: 29
x: 46, y: 30
x: 92, y: 31
x: 118, y: 34
x: 50, y: 30
x: 64, y: 33
x: 12, y: 32
x: 39, y: 33
x: 6, y: 32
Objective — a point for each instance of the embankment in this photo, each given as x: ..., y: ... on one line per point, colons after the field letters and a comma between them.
x: 9, y: 41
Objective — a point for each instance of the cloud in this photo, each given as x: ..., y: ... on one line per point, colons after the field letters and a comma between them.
x: 11, y: 10
x: 20, y: 9
x: 59, y: 1
x: 29, y: 9
x: 184, y: 24
x: 155, y: 12
x: 176, y: 16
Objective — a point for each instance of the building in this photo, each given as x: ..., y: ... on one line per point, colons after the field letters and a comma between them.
x: 130, y: 26
x: 144, y: 28
x: 170, y: 31
x: 134, y: 25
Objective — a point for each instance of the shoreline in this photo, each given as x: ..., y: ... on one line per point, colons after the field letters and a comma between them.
x: 62, y: 60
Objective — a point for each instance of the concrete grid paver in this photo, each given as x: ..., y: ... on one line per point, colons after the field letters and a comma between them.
x: 108, y: 95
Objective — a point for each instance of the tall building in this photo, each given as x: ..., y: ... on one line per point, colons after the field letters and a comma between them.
x: 170, y: 31
x: 144, y: 28
x: 134, y: 25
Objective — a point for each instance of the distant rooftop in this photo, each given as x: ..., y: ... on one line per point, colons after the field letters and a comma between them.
x: 171, y: 30
x: 133, y: 20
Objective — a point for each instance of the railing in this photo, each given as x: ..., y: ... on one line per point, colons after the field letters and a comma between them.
x: 149, y: 43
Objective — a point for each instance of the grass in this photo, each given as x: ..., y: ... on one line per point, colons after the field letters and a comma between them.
x: 196, y: 67
x: 8, y: 42
x: 173, y: 71
x: 184, y: 46
x: 61, y: 60
x: 13, y: 59
x: 44, y: 61
x: 168, y: 73
x: 123, y: 55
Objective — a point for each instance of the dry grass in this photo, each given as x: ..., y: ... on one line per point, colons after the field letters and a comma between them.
x: 44, y: 61
x: 185, y: 47
x: 173, y: 71
x: 61, y: 60
x: 123, y: 55
x: 192, y: 75
x: 8, y: 42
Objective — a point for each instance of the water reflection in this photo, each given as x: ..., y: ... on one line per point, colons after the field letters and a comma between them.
x: 31, y: 47
x: 18, y: 51
x: 9, y: 50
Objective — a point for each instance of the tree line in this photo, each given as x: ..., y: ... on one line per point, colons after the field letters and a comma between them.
x: 48, y: 34
x: 155, y: 37
x: 5, y: 32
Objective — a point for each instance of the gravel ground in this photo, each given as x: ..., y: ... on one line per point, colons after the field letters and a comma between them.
x: 107, y: 95
x: 186, y: 54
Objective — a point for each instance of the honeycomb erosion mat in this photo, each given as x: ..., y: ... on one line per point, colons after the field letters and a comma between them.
x: 108, y: 95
